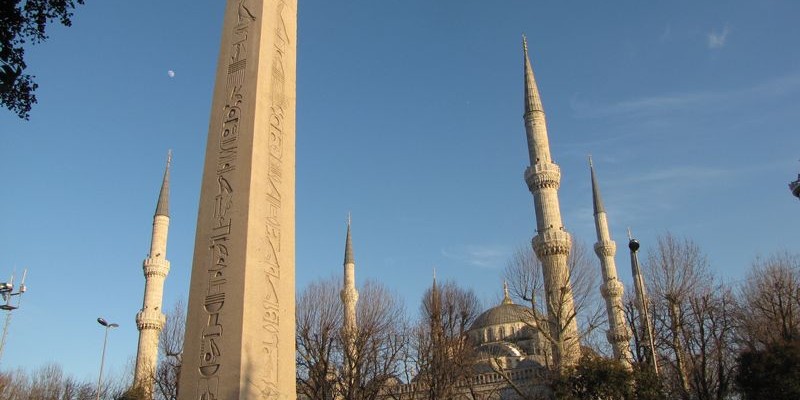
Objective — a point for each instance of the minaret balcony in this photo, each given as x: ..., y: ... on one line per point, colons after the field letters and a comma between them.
x: 150, y: 319
x: 617, y: 337
x: 612, y: 289
x: 349, y: 295
x: 543, y: 175
x: 605, y: 248
x: 552, y: 241
x: 155, y: 266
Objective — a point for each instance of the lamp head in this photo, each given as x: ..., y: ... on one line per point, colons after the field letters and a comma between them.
x: 102, y: 321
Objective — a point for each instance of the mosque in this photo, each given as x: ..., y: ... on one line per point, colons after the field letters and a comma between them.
x: 513, y: 352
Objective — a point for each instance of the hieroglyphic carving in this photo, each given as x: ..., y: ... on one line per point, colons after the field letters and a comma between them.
x: 268, y: 382
x: 211, y: 348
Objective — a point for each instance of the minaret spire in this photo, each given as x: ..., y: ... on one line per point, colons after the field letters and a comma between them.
x: 162, y: 208
x: 532, y: 100
x: 150, y: 320
x: 349, y: 296
x: 645, y: 324
x: 552, y: 243
x: 618, y: 334
x: 348, y: 245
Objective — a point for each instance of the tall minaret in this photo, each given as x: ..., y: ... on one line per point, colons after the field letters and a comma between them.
x: 646, y: 327
x: 552, y: 243
x: 349, y: 296
x: 611, y: 289
x: 150, y: 320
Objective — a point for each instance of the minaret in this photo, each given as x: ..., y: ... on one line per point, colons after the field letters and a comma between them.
x: 552, y: 243
x: 349, y: 296
x: 150, y: 320
x: 611, y: 289
x: 642, y: 302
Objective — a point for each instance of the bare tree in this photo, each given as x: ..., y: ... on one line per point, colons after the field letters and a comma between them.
x: 376, y: 350
x: 444, y: 358
x: 676, y: 271
x: 319, y: 323
x: 48, y: 382
x: 710, y: 343
x: 770, y: 296
x: 170, y: 344
x: 525, y: 279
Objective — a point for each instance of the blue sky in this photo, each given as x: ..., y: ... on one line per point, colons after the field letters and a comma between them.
x: 409, y: 115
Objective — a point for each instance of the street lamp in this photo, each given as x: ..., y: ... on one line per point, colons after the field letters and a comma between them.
x: 108, y: 326
x: 794, y: 187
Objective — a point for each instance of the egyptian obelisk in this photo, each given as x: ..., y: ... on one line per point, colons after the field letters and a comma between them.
x: 239, y: 341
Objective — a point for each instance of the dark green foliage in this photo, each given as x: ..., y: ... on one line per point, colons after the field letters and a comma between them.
x: 134, y: 393
x: 595, y: 378
x: 21, y: 22
x: 648, y: 385
x: 772, y: 373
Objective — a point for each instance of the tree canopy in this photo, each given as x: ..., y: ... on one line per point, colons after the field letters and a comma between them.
x: 23, y: 22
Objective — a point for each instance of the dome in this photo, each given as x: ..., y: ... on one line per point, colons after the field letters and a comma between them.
x: 506, y: 313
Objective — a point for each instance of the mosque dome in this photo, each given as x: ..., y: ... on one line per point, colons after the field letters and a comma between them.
x: 505, y: 313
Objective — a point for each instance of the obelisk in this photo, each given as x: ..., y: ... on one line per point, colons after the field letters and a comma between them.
x: 239, y: 341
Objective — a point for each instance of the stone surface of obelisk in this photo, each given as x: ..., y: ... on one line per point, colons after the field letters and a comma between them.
x: 239, y: 341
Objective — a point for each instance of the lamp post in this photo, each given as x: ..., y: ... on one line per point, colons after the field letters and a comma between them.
x: 108, y: 326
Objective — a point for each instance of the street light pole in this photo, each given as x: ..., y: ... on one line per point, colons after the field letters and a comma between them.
x: 108, y: 326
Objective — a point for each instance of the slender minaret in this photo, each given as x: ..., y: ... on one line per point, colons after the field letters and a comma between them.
x: 645, y: 325
x: 552, y: 243
x: 150, y: 319
x: 611, y: 289
x: 349, y: 296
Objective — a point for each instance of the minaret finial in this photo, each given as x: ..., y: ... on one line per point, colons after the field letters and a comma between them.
x: 506, y: 296
x: 162, y: 208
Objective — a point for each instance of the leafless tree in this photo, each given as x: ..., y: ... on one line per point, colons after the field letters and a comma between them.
x: 319, y: 323
x: 525, y: 279
x: 378, y: 346
x: 770, y: 297
x: 170, y: 344
x: 49, y: 382
x: 710, y: 344
x: 443, y: 356
x: 676, y: 271
x: 694, y: 317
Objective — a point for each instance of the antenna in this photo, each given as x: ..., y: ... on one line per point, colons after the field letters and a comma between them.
x: 7, y: 291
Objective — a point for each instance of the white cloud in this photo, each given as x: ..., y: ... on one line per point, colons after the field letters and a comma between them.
x: 484, y: 256
x: 171, y: 73
x: 716, y: 40
x: 704, y: 100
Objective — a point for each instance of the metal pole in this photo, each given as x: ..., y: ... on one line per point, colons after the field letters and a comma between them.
x: 108, y: 326
x: 102, y: 361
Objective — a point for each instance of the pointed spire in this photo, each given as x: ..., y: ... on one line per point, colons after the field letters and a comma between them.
x: 162, y: 208
x: 348, y: 245
x: 598, y: 201
x: 506, y: 296
x: 532, y: 100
